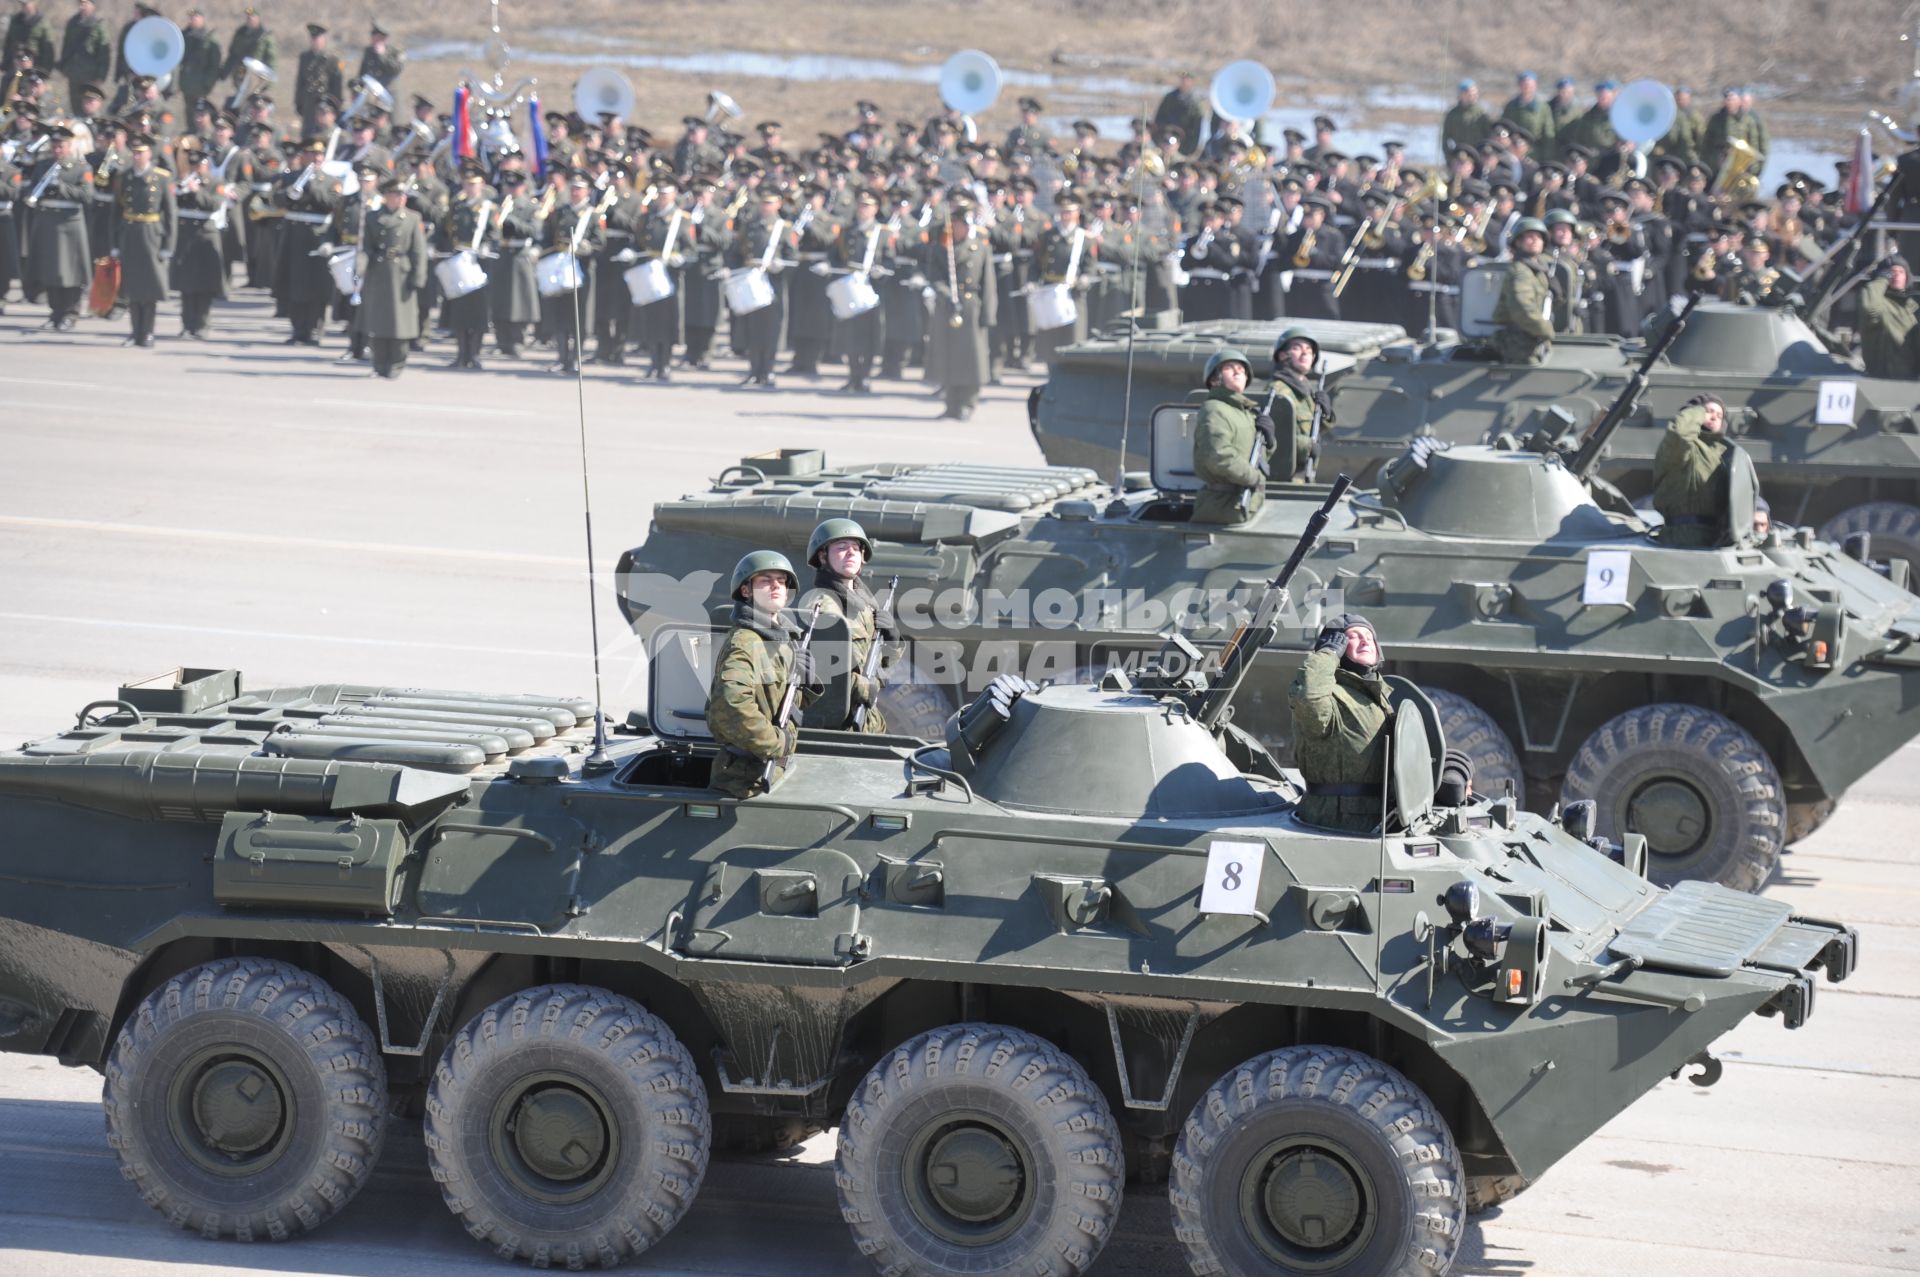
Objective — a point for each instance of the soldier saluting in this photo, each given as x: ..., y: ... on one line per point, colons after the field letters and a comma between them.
x: 1339, y: 704
x: 143, y: 224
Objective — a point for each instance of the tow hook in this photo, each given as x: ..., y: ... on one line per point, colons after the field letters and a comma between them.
x: 1710, y: 1070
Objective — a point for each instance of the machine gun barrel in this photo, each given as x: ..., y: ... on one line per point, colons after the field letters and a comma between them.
x: 1237, y: 657
x: 792, y: 694
x: 1622, y: 407
x: 1841, y: 253
x: 871, y: 671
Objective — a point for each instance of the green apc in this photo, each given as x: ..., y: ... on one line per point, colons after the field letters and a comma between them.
x: 1717, y: 701
x: 1082, y: 940
x: 1833, y: 448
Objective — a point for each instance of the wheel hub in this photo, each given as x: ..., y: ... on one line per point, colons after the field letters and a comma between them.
x: 559, y: 1133
x: 968, y: 1179
x: 1305, y: 1205
x: 237, y: 1107
x: 1672, y: 814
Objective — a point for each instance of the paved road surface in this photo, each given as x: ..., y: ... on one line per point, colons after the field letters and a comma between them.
x: 238, y: 503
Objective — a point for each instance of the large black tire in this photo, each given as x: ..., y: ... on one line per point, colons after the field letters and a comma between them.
x: 1042, y: 1147
x: 1695, y: 783
x: 567, y: 1126
x: 1484, y: 1192
x: 916, y: 708
x: 246, y: 1099
x: 1317, y: 1159
x: 1804, y: 818
x: 750, y: 1134
x: 1472, y: 730
x: 1895, y: 526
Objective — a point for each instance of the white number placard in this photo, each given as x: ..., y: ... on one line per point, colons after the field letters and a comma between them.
x: 1233, y: 877
x: 1606, y: 577
x: 1836, y: 403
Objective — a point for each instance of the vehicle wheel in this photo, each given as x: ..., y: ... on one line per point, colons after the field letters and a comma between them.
x: 1895, y: 526
x: 1316, y: 1159
x: 567, y: 1126
x: 752, y: 1133
x: 1484, y: 1192
x: 1469, y: 728
x: 977, y: 1148
x: 914, y: 708
x: 246, y: 1099
x: 1695, y: 783
x: 1804, y: 818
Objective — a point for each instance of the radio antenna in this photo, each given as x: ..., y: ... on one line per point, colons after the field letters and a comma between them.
x: 1136, y: 302
x: 599, y: 759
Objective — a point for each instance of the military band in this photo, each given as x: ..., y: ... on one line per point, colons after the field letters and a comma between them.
x: 917, y: 250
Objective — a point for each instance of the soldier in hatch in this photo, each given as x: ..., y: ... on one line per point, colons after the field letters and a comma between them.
x: 1224, y: 454
x: 850, y: 624
x: 1524, y: 311
x: 1297, y: 402
x: 1340, y: 714
x: 1689, y: 475
x: 751, y: 671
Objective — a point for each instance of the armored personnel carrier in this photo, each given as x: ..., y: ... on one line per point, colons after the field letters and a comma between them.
x: 1834, y: 449
x: 1694, y: 694
x: 1087, y: 933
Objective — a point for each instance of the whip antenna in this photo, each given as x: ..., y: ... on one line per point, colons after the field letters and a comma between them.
x: 1136, y: 302
x: 599, y: 759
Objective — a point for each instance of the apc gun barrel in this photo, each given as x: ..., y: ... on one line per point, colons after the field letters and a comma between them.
x: 1840, y: 254
x: 1622, y: 407
x: 1237, y: 657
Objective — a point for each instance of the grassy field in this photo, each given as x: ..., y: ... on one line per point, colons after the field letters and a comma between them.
x: 1819, y: 61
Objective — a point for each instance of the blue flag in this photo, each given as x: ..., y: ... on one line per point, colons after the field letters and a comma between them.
x: 539, y: 136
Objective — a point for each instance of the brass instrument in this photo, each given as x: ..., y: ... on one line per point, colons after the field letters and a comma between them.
x: 1703, y: 270
x: 1737, y: 181
x: 1619, y: 232
x: 1417, y: 268
x: 1303, y: 255
x: 545, y: 206
x: 957, y: 320
x: 46, y: 180
x: 739, y: 202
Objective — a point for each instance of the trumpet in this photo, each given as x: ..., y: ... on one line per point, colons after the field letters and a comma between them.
x: 1417, y: 268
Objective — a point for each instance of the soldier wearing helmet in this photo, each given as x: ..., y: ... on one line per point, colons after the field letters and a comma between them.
x: 751, y: 671
x: 1525, y: 309
x: 1340, y: 713
x: 1297, y: 404
x: 1233, y: 443
x: 850, y: 624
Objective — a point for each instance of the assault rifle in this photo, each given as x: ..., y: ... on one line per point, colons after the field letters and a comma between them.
x: 787, y: 701
x: 871, y: 670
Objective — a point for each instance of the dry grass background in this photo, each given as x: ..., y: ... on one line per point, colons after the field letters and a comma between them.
x: 1823, y: 58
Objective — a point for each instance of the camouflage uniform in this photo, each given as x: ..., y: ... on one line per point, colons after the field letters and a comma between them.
x: 1293, y: 402
x: 1689, y: 483
x: 749, y: 681
x: 1526, y: 332
x: 1886, y: 332
x: 1222, y: 450
x: 848, y: 628
x: 1339, y: 742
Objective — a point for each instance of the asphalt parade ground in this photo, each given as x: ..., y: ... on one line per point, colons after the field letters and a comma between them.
x: 243, y: 503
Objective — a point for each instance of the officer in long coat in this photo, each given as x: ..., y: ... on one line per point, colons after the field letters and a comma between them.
x: 751, y: 670
x: 960, y: 269
x: 303, y: 282
x: 199, y: 263
x: 1690, y: 474
x: 471, y: 227
x: 143, y: 229
x: 849, y: 625
x: 513, y: 293
x: 58, y: 259
x: 1233, y: 444
x: 393, y: 248
x: 1340, y: 711
x: 864, y: 244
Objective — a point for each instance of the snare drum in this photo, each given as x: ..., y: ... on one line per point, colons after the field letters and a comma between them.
x: 748, y: 290
x: 1052, y: 306
x: 852, y: 295
x: 649, y: 281
x: 342, y: 262
x: 460, y: 274
x: 558, y: 273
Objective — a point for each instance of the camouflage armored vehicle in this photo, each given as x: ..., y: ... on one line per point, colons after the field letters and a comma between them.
x: 1694, y: 694
x: 1834, y: 449
x: 1086, y: 934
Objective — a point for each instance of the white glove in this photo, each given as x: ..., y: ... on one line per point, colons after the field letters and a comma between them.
x: 626, y: 255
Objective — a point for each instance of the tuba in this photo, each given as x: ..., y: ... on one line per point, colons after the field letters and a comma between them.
x: 1737, y: 180
x: 603, y: 91
x: 254, y: 76
x: 154, y: 47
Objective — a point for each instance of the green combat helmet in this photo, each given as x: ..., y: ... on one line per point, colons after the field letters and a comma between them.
x: 1220, y: 359
x: 1292, y: 335
x: 1526, y: 224
x: 837, y: 530
x: 759, y: 561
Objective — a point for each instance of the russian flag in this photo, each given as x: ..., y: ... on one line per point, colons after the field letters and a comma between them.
x: 539, y: 136
x: 462, y: 130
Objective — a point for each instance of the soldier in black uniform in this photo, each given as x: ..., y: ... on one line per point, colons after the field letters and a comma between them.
x: 572, y: 227
x: 809, y: 315
x: 700, y: 281
x: 306, y: 199
x: 863, y: 245
x: 1313, y: 254
x: 763, y: 239
x: 664, y: 234
x: 512, y: 293
x: 471, y: 225
x: 202, y: 204
x: 142, y: 233
x: 1065, y: 256
x: 319, y: 76
x: 1208, y: 258
x: 1618, y: 263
